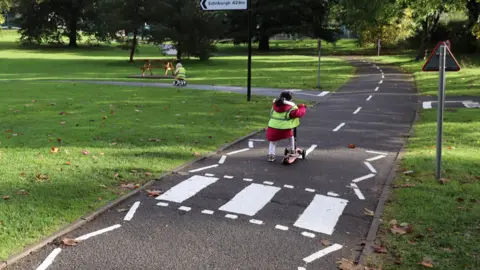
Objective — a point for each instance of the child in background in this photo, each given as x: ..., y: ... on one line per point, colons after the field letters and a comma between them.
x: 284, y: 118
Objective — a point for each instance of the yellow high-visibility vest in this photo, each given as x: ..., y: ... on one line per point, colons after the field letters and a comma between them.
x: 283, y: 120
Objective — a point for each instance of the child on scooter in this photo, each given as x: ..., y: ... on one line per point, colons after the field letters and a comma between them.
x: 284, y: 118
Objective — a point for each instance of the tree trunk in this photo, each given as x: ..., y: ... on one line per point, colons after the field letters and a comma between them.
x: 72, y: 34
x: 264, y: 43
x: 134, y: 45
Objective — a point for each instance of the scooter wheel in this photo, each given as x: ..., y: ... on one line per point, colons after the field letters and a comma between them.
x: 286, y: 152
x: 304, y: 153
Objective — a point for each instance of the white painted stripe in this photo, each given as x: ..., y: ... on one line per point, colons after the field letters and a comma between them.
x: 375, y: 152
x: 359, y: 108
x: 231, y: 216
x: 378, y: 67
x: 339, y: 127
x: 322, y: 214
x: 255, y: 221
x: 49, y: 260
x: 383, y: 76
x: 209, y: 174
x: 250, y: 200
x: 381, y: 82
x: 332, y: 194
x: 250, y: 144
x: 363, y: 178
x: 281, y: 227
x: 208, y: 212
x: 323, y: 93
x: 228, y: 176
x: 322, y: 252
x: 257, y: 140
x: 288, y: 186
x: 88, y: 235
x: 238, y: 151
x: 187, y: 188
x: 247, y: 179
x: 222, y: 160
x: 370, y: 167
x: 302, y: 268
x: 309, y: 150
x: 427, y: 105
x: 268, y: 183
x: 308, y: 234
x: 132, y: 211
x: 184, y: 208
x: 204, y: 168
x: 369, y: 97
x: 376, y: 89
x: 357, y: 191
x: 164, y: 204
x: 375, y: 158
x: 310, y: 190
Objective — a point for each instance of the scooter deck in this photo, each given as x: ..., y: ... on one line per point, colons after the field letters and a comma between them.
x: 289, y: 159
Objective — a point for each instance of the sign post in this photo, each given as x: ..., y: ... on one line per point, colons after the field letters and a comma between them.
x: 441, y: 60
x: 236, y: 5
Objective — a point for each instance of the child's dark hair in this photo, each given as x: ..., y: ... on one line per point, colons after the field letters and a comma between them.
x: 285, y: 95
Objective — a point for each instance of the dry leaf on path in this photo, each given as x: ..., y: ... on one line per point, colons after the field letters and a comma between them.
x: 153, y: 193
x: 128, y: 186
x: 325, y: 243
x: 54, y: 150
x: 426, y: 263
x: 380, y: 249
x: 69, y: 242
x: 369, y: 212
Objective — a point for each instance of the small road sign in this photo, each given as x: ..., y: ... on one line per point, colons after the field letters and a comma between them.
x: 433, y: 62
x: 224, y: 4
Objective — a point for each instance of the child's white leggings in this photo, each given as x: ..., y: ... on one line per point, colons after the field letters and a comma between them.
x: 273, y: 145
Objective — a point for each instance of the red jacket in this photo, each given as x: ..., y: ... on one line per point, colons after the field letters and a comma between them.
x: 273, y: 134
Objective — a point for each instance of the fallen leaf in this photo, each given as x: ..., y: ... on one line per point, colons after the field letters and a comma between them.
x: 447, y: 249
x: 398, y: 230
x: 352, y: 146
x: 59, y: 140
x: 68, y: 163
x: 154, y: 140
x: 113, y: 143
x: 393, y: 222
x: 115, y: 174
x: 99, y: 198
x: 6, y: 197
x: 444, y: 180
x: 69, y: 242
x: 429, y: 229
x: 196, y: 154
x: 408, y: 185
x: 22, y: 192
x: 101, y: 154
x: 404, y: 224
x: 451, y: 147
x: 62, y: 113
x: 148, y: 173
x: 154, y: 193
x: 473, y: 201
x: 136, y: 186
x: 426, y: 263
x: 103, y: 186
x: 380, y: 249
x: 22, y: 174
x: 369, y: 212
x: 133, y: 171
x: 210, y: 137
x: 63, y: 123
x: 460, y: 200
x: 408, y: 172
x: 122, y: 210
x: 325, y: 243
x: 54, y: 150
x: 412, y: 242
x: 41, y: 177
x: 128, y: 186
x: 104, y: 117
x: 85, y: 152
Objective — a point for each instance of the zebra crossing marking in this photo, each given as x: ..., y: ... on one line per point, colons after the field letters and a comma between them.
x: 187, y: 188
x: 250, y: 200
x: 184, y: 208
x: 308, y: 234
x: 208, y: 212
x: 281, y: 227
x: 322, y: 214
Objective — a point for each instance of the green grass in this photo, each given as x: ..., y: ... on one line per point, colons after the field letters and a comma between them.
x: 180, y: 123
x: 110, y: 63
x: 466, y: 82
x: 444, y: 216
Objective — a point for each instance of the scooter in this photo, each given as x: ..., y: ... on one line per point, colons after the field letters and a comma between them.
x: 179, y: 82
x: 291, y: 158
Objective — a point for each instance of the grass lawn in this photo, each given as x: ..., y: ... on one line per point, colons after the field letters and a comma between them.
x: 466, y: 82
x: 444, y: 216
x: 108, y: 62
x: 126, y: 141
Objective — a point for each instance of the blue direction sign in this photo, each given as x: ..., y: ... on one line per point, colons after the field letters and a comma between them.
x: 433, y: 62
x: 224, y: 4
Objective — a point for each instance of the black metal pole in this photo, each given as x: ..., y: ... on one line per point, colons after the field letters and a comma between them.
x: 249, y: 80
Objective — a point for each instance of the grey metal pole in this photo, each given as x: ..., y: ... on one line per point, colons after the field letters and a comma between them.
x: 319, y: 57
x: 441, y: 106
x: 249, y: 72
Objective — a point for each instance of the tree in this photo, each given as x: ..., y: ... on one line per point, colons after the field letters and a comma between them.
x: 473, y: 9
x: 191, y: 30
x: 5, y: 6
x: 51, y: 20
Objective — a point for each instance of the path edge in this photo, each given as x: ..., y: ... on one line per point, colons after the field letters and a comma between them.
x: 372, y: 232
x: 92, y: 215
